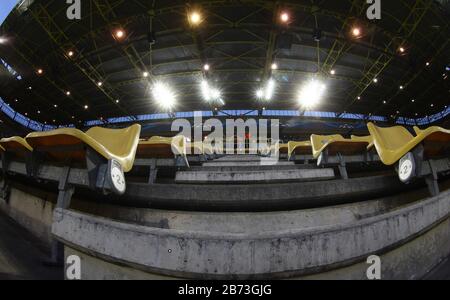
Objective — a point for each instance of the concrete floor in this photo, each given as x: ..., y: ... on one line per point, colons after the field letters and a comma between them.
x: 441, y: 272
x: 22, y: 255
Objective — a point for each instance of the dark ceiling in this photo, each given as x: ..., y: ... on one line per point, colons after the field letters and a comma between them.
x: 239, y: 40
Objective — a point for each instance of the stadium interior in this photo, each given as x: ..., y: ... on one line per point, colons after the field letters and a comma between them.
x: 228, y: 139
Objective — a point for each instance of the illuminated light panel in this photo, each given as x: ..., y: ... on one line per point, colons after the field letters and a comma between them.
x: 195, y: 18
x: 164, y: 97
x: 356, y: 32
x: 119, y: 34
x: 270, y: 90
x: 259, y: 94
x: 267, y: 92
x: 311, y: 94
x: 284, y: 17
x: 211, y: 94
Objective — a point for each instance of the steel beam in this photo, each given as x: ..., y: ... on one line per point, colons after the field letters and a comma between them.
x: 406, y: 30
x: 64, y: 44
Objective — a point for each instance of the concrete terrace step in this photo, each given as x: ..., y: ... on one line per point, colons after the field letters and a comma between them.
x: 252, y: 168
x: 245, y: 163
x: 234, y: 158
x: 254, y: 176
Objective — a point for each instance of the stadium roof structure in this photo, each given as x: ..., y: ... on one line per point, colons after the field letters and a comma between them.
x: 58, y: 71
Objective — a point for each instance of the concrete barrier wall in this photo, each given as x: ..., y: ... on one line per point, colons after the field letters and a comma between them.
x: 413, y: 253
x: 33, y: 210
x: 251, y: 222
x: 281, y: 254
x: 405, y: 262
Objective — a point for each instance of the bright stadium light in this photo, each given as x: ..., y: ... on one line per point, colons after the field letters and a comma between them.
x: 259, y: 94
x: 211, y: 94
x: 267, y: 92
x: 195, y: 18
x: 119, y: 34
x: 311, y: 94
x: 284, y: 17
x: 164, y: 96
x: 2, y: 40
x: 356, y: 32
x: 270, y: 89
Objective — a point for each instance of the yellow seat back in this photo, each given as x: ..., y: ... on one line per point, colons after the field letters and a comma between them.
x: 391, y: 138
x: 320, y: 142
x: 392, y: 143
x: 117, y: 141
x: 366, y: 139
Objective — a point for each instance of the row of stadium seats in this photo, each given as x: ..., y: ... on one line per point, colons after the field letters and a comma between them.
x: 392, y: 146
x: 120, y: 147
x: 99, y: 150
x: 71, y: 145
x: 390, y: 143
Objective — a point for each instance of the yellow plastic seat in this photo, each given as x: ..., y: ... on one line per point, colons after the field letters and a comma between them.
x: 162, y: 147
x: 335, y: 144
x: 71, y: 144
x: 393, y: 143
x: 368, y: 139
x: 302, y: 148
x: 282, y: 148
x: 436, y: 140
x: 16, y: 146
